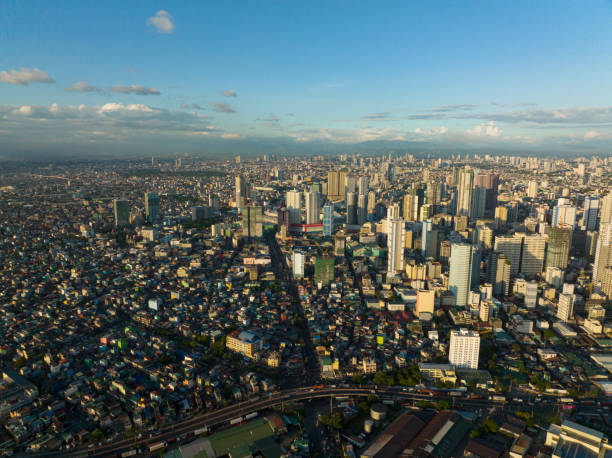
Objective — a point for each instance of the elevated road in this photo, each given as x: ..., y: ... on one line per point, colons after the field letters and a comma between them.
x: 277, y: 399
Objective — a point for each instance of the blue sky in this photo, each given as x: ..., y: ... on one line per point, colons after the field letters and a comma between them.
x: 136, y: 77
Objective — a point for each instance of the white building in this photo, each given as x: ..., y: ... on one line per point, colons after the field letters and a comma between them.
x: 294, y: 204
x: 313, y: 207
x: 395, y: 246
x: 298, y: 264
x: 565, y: 307
x: 464, y: 348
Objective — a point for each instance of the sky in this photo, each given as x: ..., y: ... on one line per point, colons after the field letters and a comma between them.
x: 146, y: 77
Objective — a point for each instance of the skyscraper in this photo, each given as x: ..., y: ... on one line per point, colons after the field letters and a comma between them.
x: 351, y: 208
x: 606, y: 209
x: 564, y: 213
x: 328, y: 220
x: 479, y: 200
x: 559, y: 242
x: 294, y: 205
x: 151, y: 207
x: 511, y: 247
x: 532, y: 256
x: 591, y: 211
x: 500, y: 275
x: 464, y: 348
x: 362, y: 209
x: 336, y: 185
x: 362, y: 185
x: 121, y: 209
x: 532, y: 189
x: 489, y: 181
x: 565, y: 307
x: 395, y: 245
x: 298, y: 264
x: 252, y: 221
x: 426, y: 229
x: 464, y: 191
x: 603, y: 253
x: 461, y: 271
x: 313, y: 207
x: 241, y: 191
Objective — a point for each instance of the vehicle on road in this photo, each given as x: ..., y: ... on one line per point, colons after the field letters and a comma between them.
x: 157, y: 446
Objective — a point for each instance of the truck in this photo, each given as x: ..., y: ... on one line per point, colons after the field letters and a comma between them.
x: 497, y: 398
x: 567, y: 400
x: 235, y: 421
x: 157, y: 446
x: 250, y: 416
x: 201, y: 430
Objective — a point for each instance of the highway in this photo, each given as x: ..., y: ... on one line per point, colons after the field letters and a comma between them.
x: 224, y: 415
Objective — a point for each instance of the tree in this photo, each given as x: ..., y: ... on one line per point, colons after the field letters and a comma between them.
x: 442, y: 404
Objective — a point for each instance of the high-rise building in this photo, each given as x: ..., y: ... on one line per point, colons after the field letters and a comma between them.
x: 532, y: 189
x: 479, y: 201
x: 565, y: 307
x: 152, y: 207
x: 121, y: 209
x: 313, y: 207
x: 564, y: 213
x: 554, y: 276
x: 606, y: 282
x: 362, y: 185
x: 559, y: 243
x: 489, y: 181
x: 500, y: 275
x: 336, y: 185
x: 603, y: 253
x: 294, y: 205
x: 351, y: 208
x: 410, y: 207
x: 464, y: 348
x: 362, y: 209
x: 298, y: 263
x: 511, y: 247
x: 532, y: 256
x: 591, y: 210
x: 426, y: 229
x: 199, y: 213
x: 252, y: 221
x: 433, y: 194
x: 241, y: 191
x: 605, y: 215
x: 461, y: 273
x: 464, y: 191
x: 395, y: 245
x: 328, y: 220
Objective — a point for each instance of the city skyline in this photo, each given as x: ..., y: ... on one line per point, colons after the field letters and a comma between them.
x: 239, y: 78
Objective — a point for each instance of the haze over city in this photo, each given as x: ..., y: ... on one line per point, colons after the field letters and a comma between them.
x: 84, y: 78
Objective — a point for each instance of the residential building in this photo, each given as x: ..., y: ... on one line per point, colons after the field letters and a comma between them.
x: 464, y: 348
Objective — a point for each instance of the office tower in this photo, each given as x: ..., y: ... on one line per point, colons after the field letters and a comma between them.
x: 464, y: 191
x: 393, y: 211
x: 294, y: 205
x: 328, y: 220
x: 351, y: 208
x: 485, y: 236
x: 564, y: 213
x: 252, y: 221
x: 213, y: 202
x: 606, y: 281
x: 284, y: 219
x: 489, y: 181
x: 151, y: 207
x: 298, y: 264
x: 478, y: 206
x: 425, y: 302
x: 531, y: 294
x: 603, y: 253
x: 501, y: 216
x: 433, y: 194
x: 324, y: 270
x: 362, y: 209
x: 395, y: 245
x: 591, y: 210
x: 511, y: 247
x: 362, y: 185
x: 554, y: 277
x: 426, y: 212
x: 313, y: 207
x: 241, y: 191
x: 461, y: 223
x: 336, y: 185
x: 565, y: 307
x: 426, y: 229
x: 371, y: 205
x: 500, y: 275
x: 198, y: 213
x: 606, y: 209
x: 464, y: 348
x: 559, y: 242
x: 532, y: 189
x: 351, y: 183
x: 410, y: 206
x: 316, y: 187
x: 461, y: 271
x: 121, y: 209
x: 532, y: 256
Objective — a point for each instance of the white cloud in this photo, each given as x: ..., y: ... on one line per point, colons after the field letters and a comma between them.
x: 82, y: 86
x: 135, y: 89
x: 591, y: 134
x: 162, y: 22
x: 486, y: 130
x: 24, y: 76
x: 230, y: 136
x: 229, y: 93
